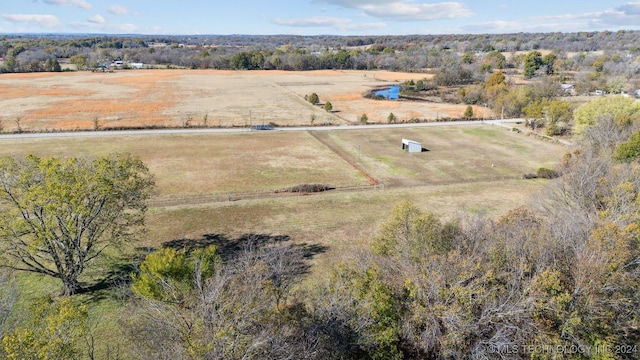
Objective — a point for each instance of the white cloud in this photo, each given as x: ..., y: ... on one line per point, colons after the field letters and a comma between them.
x: 508, y: 27
x: 47, y: 21
x: 622, y: 16
x: 118, y: 10
x: 97, y: 19
x: 104, y: 27
x: 405, y: 10
x: 332, y: 22
x: 78, y: 3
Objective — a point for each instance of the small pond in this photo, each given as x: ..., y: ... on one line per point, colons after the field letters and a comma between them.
x: 390, y: 93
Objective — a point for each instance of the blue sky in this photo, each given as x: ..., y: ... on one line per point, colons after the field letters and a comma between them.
x: 316, y: 17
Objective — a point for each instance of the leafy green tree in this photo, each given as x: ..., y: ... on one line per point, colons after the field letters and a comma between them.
x: 549, y: 62
x: 468, y: 57
x: 494, y: 87
x: 54, y: 330
x: 391, y: 119
x: 168, y: 274
x: 314, y: 99
x: 532, y: 62
x: 468, y: 112
x: 534, y: 112
x: 623, y: 110
x: 10, y: 63
x: 52, y: 65
x: 412, y: 231
x: 513, y: 101
x: 495, y: 79
x: 630, y: 150
x: 342, y: 59
x: 79, y: 60
x: 60, y: 214
x: 375, y: 314
x: 328, y: 107
x: 495, y: 59
x: 241, y: 61
x: 558, y: 115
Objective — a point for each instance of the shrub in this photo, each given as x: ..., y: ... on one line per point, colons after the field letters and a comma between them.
x: 545, y: 173
x: 629, y: 150
x: 468, y: 112
x: 328, y: 107
x: 314, y: 99
x: 391, y: 118
x: 306, y: 188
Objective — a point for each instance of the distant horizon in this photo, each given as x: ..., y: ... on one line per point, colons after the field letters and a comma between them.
x: 316, y: 17
x: 297, y: 35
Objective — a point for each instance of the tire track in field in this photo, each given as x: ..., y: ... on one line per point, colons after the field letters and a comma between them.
x: 342, y: 154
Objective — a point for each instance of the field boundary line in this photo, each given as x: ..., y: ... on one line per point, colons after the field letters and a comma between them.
x: 344, y: 156
x: 206, y: 199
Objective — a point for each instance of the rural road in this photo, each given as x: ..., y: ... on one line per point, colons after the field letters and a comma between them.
x: 77, y: 134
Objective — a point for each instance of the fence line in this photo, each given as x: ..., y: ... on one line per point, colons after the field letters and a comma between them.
x: 205, y: 199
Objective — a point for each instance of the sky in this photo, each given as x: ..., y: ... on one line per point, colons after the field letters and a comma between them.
x: 315, y: 17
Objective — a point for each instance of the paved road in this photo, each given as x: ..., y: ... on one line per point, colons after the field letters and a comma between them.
x: 238, y: 130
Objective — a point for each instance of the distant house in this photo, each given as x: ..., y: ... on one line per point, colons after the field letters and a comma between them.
x: 411, y: 146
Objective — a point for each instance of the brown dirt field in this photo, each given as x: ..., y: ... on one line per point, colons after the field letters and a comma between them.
x: 176, y: 98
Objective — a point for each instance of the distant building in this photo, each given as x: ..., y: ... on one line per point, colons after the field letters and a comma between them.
x: 568, y: 88
x: 411, y: 146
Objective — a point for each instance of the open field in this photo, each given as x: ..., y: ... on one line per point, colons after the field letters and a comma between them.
x: 171, y: 98
x: 452, y: 154
x: 188, y: 165
x: 217, y: 164
x: 447, y: 180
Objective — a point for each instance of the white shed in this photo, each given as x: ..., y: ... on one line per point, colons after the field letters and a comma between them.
x: 411, y: 146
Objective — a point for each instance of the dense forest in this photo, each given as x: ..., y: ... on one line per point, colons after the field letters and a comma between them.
x: 613, y: 52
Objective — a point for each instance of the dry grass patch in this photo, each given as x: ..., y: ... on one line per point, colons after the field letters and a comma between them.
x: 203, y: 164
x: 135, y: 98
x: 455, y: 154
x: 335, y: 221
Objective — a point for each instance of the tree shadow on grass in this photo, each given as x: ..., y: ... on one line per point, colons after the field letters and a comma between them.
x: 117, y: 279
x: 228, y: 249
